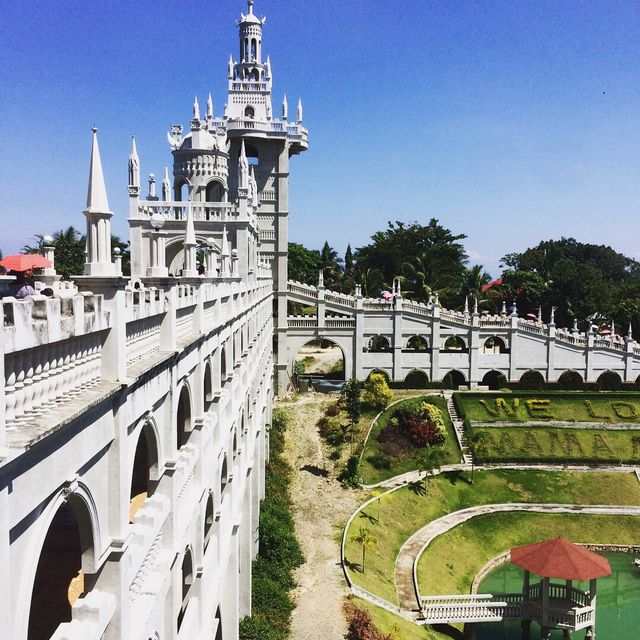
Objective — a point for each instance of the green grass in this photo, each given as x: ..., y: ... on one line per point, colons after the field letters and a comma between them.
x: 549, y: 443
x: 404, y: 511
x: 399, y: 628
x: 372, y: 475
x: 451, y: 561
x: 604, y: 407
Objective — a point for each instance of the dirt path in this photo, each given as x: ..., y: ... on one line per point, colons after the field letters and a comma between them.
x: 321, y: 507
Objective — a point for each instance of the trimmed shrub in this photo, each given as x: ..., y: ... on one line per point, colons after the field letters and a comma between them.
x: 350, y: 475
x: 332, y: 410
x: 376, y: 394
x: 360, y: 624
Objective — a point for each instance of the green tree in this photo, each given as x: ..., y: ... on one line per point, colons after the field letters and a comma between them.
x: 349, y: 264
x: 351, y: 398
x: 473, y: 280
x: 331, y: 265
x: 366, y: 541
x: 427, y: 460
x: 303, y: 263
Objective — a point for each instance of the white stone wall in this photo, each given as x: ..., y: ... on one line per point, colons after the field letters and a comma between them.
x: 103, y: 367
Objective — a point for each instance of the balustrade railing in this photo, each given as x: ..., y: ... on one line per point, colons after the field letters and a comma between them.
x: 143, y: 338
x: 495, y: 321
x: 184, y: 322
x: 50, y: 373
x: 339, y: 299
x: 303, y: 289
x: 302, y: 322
x: 578, y: 340
x: 267, y: 234
x: 452, y: 316
x: 339, y: 323
x: 417, y: 308
x: 208, y: 212
x: 373, y: 304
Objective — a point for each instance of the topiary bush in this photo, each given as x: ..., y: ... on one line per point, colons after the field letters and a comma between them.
x: 376, y: 393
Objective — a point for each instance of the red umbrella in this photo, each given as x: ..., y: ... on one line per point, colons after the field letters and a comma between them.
x: 24, y: 262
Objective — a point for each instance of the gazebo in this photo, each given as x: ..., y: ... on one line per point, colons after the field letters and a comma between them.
x: 554, y: 605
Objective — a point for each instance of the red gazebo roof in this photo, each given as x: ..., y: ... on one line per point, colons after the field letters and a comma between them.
x: 559, y: 558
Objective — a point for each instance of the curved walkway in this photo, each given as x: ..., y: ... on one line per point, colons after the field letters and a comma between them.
x: 405, y: 574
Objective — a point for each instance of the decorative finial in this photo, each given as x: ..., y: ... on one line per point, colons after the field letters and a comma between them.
x: 552, y: 320
x: 250, y: 5
x: 466, y: 305
x: 299, y: 114
x: 475, y: 305
x: 196, y: 109
x: 629, y: 332
x: 539, y: 313
x: 209, y: 106
x: 285, y: 107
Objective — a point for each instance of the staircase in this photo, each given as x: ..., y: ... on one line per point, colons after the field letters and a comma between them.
x: 458, y: 426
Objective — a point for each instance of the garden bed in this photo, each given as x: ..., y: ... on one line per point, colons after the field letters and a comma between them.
x: 377, y: 465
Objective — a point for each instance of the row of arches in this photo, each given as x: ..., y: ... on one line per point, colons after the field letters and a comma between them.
x: 452, y: 344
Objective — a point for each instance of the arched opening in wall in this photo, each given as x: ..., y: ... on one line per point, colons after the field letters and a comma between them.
x: 218, y: 624
x: 378, y: 344
x: 380, y: 372
x: 188, y: 579
x: 215, y: 192
x: 454, y: 380
x: 249, y: 112
x: 494, y: 344
x: 182, y: 191
x: 417, y: 343
x: 207, y: 387
x: 145, y: 462
x: 59, y: 579
x: 570, y: 381
x: 224, y: 476
x: 609, y: 381
x: 209, y: 519
x: 320, y: 359
x: 184, y: 417
x: 223, y: 365
x: 532, y: 380
x: 252, y: 154
x: 234, y: 446
x: 254, y: 46
x: 494, y: 380
x: 416, y: 379
x: 454, y: 344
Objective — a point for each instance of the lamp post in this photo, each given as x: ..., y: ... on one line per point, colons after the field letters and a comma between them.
x: 49, y: 275
x: 212, y: 258
x: 117, y: 258
x: 158, y: 268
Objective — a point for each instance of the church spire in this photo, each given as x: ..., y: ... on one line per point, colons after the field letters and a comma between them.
x: 97, y: 192
x: 134, y: 166
x: 166, y: 185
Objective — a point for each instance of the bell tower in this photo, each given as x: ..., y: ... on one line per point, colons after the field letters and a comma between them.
x: 269, y: 143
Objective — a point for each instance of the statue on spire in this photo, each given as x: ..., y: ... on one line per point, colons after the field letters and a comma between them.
x: 134, y: 167
x: 196, y: 109
x: 243, y: 169
x: 209, y: 107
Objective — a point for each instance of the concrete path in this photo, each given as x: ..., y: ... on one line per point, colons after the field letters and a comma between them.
x: 406, y: 562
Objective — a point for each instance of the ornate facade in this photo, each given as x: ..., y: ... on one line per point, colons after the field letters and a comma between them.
x: 135, y: 411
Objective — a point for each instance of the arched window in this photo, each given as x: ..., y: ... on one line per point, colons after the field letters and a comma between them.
x: 249, y: 112
x: 224, y: 476
x: 252, y: 155
x: 417, y: 343
x: 253, y: 49
x: 188, y: 576
x: 182, y: 191
x: 532, y: 380
x: 494, y: 380
x: 183, y: 417
x: 223, y: 365
x: 609, y: 381
x: 416, y: 379
x: 208, y: 387
x: 145, y: 463
x: 209, y: 519
x: 214, y: 192
x: 453, y: 380
x: 378, y: 344
x: 570, y: 381
x: 454, y: 343
x: 494, y: 345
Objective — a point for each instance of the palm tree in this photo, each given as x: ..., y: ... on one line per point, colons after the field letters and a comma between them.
x: 366, y: 540
x: 330, y: 263
x: 427, y: 459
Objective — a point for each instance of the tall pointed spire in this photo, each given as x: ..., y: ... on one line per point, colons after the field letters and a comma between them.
x: 285, y: 107
x: 166, y: 185
x: 134, y: 166
x: 97, y: 192
x: 299, y: 111
x: 466, y: 305
x: 268, y: 67
x: 209, y: 106
x: 629, y: 332
x: 196, y: 109
x: 230, y: 70
x: 243, y: 168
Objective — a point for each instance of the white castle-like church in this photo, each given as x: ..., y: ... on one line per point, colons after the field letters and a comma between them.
x: 135, y: 412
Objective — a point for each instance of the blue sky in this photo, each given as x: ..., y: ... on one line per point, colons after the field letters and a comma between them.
x: 510, y: 121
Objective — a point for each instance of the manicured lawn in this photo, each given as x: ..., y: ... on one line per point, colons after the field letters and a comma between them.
x: 541, y: 406
x: 548, y: 443
x: 371, y: 475
x: 404, y: 511
x: 391, y: 624
x: 451, y: 561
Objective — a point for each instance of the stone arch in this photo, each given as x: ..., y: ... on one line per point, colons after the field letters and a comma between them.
x: 494, y: 344
x: 532, y: 379
x: 571, y: 380
x: 215, y: 191
x: 382, y: 372
x: 609, y: 381
x: 224, y: 373
x: 209, y: 520
x: 224, y: 475
x: 454, y: 379
x: 183, y: 416
x: 181, y: 189
x: 144, y: 468
x: 378, y: 344
x: 316, y: 347
x: 417, y: 379
x: 454, y: 344
x: 417, y: 343
x: 494, y: 380
x: 187, y: 580
x: 69, y: 533
x: 207, y: 386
